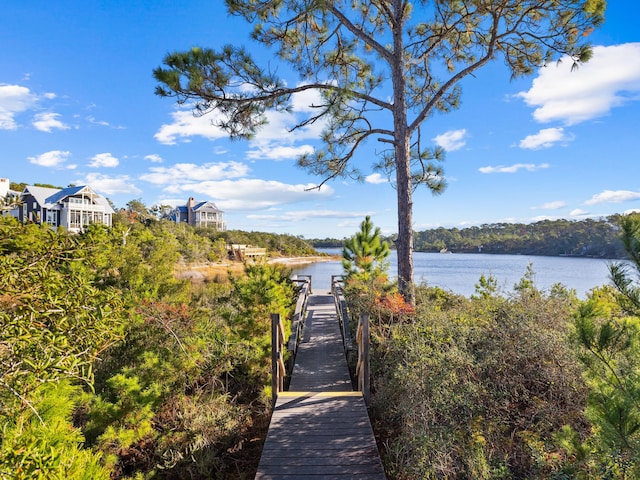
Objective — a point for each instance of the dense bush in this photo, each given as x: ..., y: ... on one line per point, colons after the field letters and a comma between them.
x: 112, y: 368
x: 476, y: 388
x: 54, y: 322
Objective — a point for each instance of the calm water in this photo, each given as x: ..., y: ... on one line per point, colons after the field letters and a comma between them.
x: 459, y: 272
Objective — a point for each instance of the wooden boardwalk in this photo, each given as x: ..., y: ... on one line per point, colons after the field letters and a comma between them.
x: 320, y: 428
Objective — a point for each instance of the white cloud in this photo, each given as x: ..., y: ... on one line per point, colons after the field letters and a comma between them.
x: 186, y: 125
x: 531, y: 167
x: 551, y: 205
x: 102, y: 123
x: 154, y: 158
x: 220, y: 150
x: 301, y: 215
x: 188, y: 172
x: 610, y: 79
x: 274, y: 140
x: 252, y: 194
x: 46, y: 122
x: 542, y: 218
x: 452, y: 140
x: 53, y: 158
x: 613, y: 196
x: 270, y: 151
x: 306, y: 101
x: 577, y: 212
x: 545, y: 138
x: 110, y: 185
x: 104, y: 160
x: 376, y: 178
x: 14, y: 99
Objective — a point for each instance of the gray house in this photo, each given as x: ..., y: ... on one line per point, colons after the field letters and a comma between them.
x: 71, y: 207
x: 199, y: 214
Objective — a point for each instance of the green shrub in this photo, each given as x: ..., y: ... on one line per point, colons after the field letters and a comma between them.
x: 40, y: 442
x: 477, y: 388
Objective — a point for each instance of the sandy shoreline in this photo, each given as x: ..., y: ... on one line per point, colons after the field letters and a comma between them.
x: 219, y: 271
x: 296, y: 261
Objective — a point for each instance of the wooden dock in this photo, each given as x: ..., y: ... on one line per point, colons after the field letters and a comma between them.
x: 320, y: 428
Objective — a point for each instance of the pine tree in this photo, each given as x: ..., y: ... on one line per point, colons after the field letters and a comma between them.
x: 608, y: 332
x: 365, y: 253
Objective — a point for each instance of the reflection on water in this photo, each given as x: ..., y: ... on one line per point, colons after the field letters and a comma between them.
x: 460, y: 272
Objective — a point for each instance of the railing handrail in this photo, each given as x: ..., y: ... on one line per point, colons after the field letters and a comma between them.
x: 297, y: 321
x: 278, y: 368
x: 303, y: 279
x: 337, y: 284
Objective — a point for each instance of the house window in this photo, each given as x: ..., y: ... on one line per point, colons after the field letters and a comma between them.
x: 79, y: 201
x: 75, y: 218
x: 52, y: 218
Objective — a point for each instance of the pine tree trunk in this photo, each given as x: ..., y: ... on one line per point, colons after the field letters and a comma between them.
x: 404, y: 244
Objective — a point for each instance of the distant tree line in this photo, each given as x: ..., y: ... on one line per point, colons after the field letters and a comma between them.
x: 579, y: 238
x: 584, y: 238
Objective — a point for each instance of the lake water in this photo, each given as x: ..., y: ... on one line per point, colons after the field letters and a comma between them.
x: 459, y: 272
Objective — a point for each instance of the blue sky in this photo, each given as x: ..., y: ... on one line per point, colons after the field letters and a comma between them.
x: 77, y: 106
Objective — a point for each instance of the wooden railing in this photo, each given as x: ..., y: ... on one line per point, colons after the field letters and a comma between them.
x: 297, y: 321
x: 337, y: 286
x: 362, y: 337
x: 304, y: 282
x: 278, y: 371
x: 278, y: 368
x: 363, y: 366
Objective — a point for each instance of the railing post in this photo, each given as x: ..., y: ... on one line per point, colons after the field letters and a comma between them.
x: 277, y: 356
x: 275, y: 320
x: 364, y: 381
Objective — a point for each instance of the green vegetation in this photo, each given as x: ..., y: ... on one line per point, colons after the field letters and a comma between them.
x: 112, y: 368
x: 279, y: 244
x: 364, y: 254
x: 207, y: 244
x: 535, y: 385
x: 476, y: 388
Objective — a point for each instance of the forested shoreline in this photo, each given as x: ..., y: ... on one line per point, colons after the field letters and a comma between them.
x: 597, y: 238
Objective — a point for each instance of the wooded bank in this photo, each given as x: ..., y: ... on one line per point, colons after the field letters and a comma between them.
x: 580, y: 238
